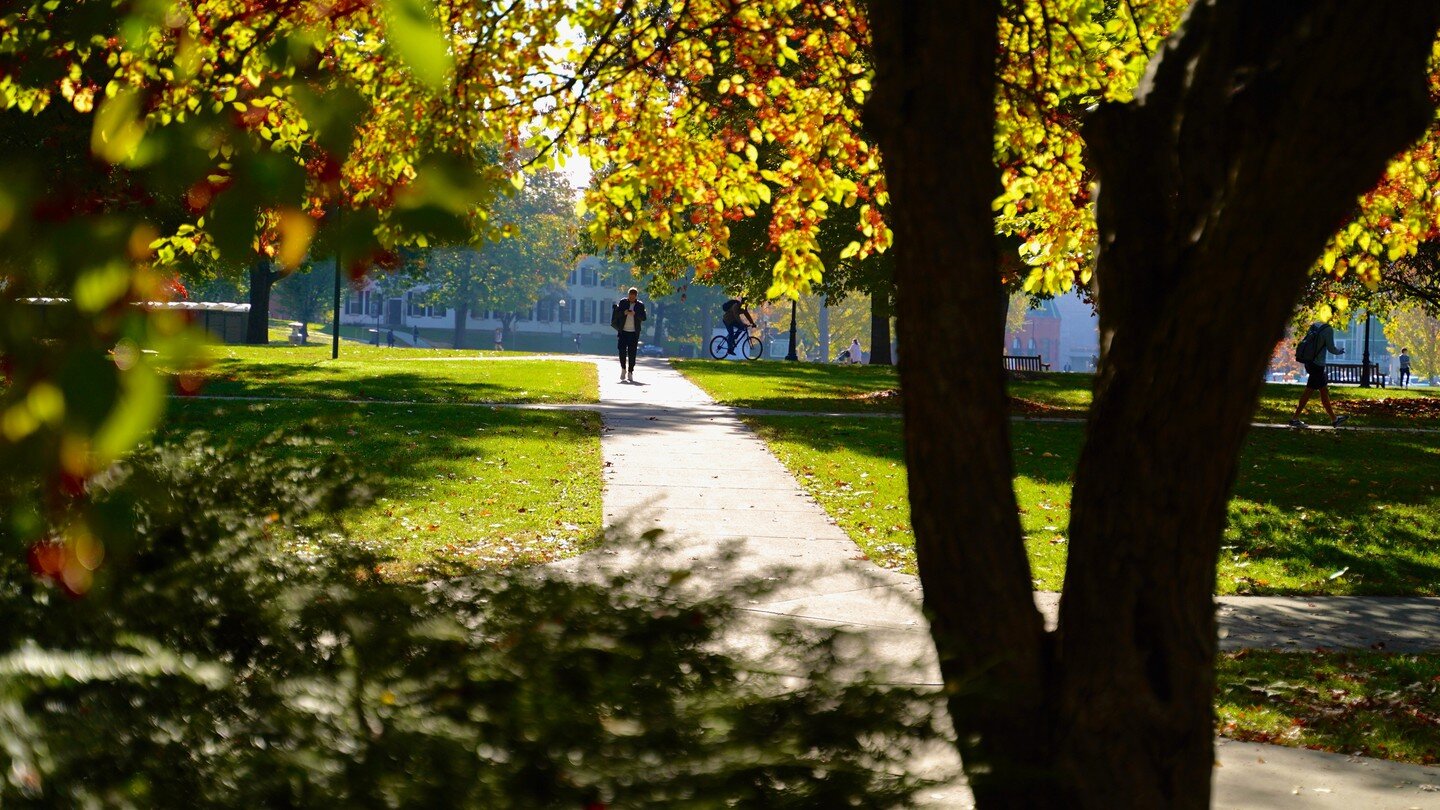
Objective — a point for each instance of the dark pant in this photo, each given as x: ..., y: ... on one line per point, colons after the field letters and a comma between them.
x: 1316, y: 378
x: 735, y: 330
x: 1404, y: 376
x: 629, y: 342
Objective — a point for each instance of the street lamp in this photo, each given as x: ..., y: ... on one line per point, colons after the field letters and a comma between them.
x: 791, y: 355
x: 1365, y: 354
x: 562, y: 323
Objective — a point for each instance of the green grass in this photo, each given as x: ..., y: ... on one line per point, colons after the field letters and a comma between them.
x: 370, y: 373
x: 1369, y: 704
x: 842, y: 389
x: 1313, y: 512
x: 475, y: 487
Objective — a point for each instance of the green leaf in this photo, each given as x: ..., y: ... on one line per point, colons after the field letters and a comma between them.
x: 418, y: 40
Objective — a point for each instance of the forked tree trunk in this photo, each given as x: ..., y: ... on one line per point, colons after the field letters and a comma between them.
x: 1259, y: 126
x: 880, y: 329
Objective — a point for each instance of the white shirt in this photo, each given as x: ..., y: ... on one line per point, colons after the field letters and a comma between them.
x: 856, y: 353
x: 630, y: 320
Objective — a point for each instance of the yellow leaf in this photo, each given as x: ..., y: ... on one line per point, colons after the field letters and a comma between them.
x: 296, y: 231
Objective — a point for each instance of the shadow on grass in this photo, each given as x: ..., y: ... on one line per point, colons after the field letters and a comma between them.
x: 485, y: 486
x: 392, y: 381
x: 1312, y: 512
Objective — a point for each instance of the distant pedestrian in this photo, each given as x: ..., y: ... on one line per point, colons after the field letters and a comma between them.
x: 625, y: 318
x: 414, y: 335
x: 1317, y: 343
x: 499, y: 339
x: 1404, y: 368
x: 857, y: 354
x: 390, y: 338
x: 576, y: 338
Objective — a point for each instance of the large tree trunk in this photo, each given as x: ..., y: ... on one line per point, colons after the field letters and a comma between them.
x: 257, y: 324
x: 934, y: 109
x: 880, y: 329
x: 462, y: 308
x: 1219, y: 188
x: 1260, y: 125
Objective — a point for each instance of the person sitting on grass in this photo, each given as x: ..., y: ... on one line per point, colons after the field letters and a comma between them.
x: 1319, y: 341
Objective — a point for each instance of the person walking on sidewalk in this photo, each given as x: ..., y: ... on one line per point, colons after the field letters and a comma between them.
x: 626, y: 317
x: 499, y: 339
x: 1318, y: 342
x: 1404, y: 368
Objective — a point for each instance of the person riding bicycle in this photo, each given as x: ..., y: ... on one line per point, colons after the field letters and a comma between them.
x: 737, y: 320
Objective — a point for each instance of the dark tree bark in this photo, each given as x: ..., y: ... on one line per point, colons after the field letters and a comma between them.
x: 933, y: 110
x: 659, y: 323
x: 462, y: 308
x: 257, y: 324
x: 507, y: 320
x: 1258, y: 128
x: 880, y: 329
x: 1219, y: 187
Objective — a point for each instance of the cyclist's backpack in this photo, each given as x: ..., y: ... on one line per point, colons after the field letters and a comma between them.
x: 1309, y: 347
x: 731, y: 309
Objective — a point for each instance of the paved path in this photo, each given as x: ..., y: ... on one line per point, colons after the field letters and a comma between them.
x: 674, y: 460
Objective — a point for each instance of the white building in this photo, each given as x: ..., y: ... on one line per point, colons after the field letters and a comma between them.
x: 581, y: 306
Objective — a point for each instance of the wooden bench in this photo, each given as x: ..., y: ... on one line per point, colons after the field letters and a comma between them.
x: 1349, y: 374
x: 1025, y: 363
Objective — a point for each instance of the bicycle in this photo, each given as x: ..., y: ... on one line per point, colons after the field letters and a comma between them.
x: 751, y: 347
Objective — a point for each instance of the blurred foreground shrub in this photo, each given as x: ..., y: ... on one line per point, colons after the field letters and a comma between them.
x: 236, y: 651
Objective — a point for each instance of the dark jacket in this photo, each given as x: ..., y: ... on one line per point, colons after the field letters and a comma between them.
x: 617, y: 314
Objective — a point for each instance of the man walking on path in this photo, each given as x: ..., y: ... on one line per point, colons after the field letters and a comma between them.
x: 414, y: 335
x: 1404, y: 368
x: 626, y: 317
x: 390, y: 338
x: 1318, y: 342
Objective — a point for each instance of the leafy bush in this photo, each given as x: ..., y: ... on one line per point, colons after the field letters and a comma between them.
x: 236, y: 651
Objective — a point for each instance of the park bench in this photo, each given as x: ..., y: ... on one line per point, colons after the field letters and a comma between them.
x: 1025, y: 363
x: 1349, y: 374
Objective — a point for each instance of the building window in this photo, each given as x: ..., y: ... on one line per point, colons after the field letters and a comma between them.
x: 587, y: 311
x: 352, y: 304
x: 436, y: 312
x: 589, y: 277
x: 1015, y: 345
x: 574, y: 277
x: 413, y: 307
x: 1032, y: 344
x: 526, y: 314
x: 545, y: 311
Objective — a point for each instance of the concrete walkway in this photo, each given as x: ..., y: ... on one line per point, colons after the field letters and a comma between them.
x: 675, y: 460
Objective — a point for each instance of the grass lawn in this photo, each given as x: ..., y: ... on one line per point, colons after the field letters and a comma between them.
x: 1314, y: 512
x: 1363, y: 703
x: 367, y: 372
x: 473, y: 486
x: 843, y: 389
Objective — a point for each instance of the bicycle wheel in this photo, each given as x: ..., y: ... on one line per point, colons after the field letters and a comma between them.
x: 719, y: 347
x: 754, y: 348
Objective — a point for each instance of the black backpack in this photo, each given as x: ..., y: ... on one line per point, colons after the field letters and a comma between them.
x: 1309, y: 347
x: 617, y: 317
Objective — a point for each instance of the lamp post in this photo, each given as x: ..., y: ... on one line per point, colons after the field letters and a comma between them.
x: 562, y: 323
x: 791, y: 355
x: 335, y: 327
x: 1365, y: 354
